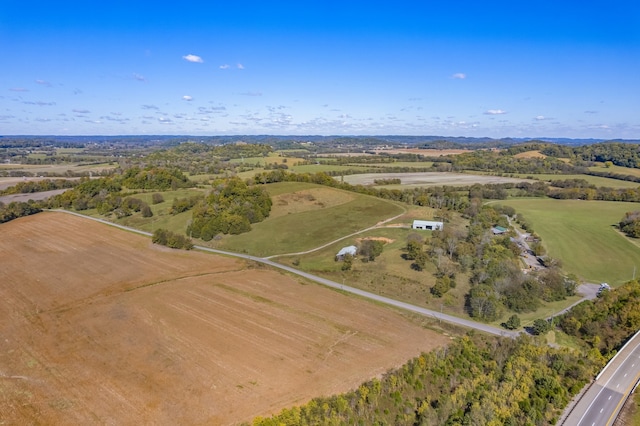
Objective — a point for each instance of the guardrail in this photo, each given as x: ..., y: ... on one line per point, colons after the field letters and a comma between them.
x: 574, y: 403
x: 616, y: 355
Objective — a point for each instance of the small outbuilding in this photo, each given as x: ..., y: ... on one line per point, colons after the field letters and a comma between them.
x: 428, y: 225
x: 349, y: 250
x: 498, y: 230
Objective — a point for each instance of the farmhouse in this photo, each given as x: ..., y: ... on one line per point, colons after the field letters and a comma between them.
x: 427, y: 224
x: 351, y: 250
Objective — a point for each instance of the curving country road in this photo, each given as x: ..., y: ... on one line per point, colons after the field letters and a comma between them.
x: 598, y: 406
x: 372, y: 296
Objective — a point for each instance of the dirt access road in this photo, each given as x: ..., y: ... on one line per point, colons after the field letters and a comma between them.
x: 99, y: 326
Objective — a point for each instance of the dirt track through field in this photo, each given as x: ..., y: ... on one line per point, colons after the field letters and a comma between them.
x: 99, y: 326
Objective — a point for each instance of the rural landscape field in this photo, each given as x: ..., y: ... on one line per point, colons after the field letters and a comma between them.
x: 584, y: 234
x: 154, y: 292
x: 320, y: 214
x: 100, y: 326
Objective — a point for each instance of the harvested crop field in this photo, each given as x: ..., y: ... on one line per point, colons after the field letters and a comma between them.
x: 430, y: 179
x: 423, y: 151
x: 99, y: 326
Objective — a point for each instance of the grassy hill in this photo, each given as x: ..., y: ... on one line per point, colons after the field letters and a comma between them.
x: 305, y: 216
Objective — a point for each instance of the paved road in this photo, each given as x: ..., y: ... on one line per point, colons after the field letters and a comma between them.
x: 407, y: 306
x: 599, y: 406
x: 601, y: 403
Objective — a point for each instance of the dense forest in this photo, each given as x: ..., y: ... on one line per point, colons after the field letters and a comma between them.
x: 607, y: 321
x: 230, y: 208
x: 630, y: 224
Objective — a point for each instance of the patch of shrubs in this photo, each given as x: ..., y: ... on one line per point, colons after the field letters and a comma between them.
x: 167, y: 238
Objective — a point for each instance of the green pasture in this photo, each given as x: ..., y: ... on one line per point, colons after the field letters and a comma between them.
x: 59, y: 169
x: 287, y: 187
x: 594, y: 180
x: 273, y: 158
x: 616, y: 169
x: 583, y: 235
x: 38, y: 156
x: 161, y: 217
x: 389, y: 275
x: 68, y: 151
x: 17, y: 166
x: 317, y: 168
x: 406, y: 164
x: 310, y: 229
x: 546, y: 310
x: 299, y: 150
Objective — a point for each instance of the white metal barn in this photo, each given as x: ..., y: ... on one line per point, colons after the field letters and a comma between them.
x: 427, y: 224
x: 351, y: 250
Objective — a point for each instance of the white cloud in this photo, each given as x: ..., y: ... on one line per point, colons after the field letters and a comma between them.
x: 43, y: 82
x: 81, y: 111
x: 240, y: 66
x: 139, y: 77
x: 495, y: 112
x: 459, y: 76
x: 541, y: 117
x: 225, y: 67
x: 251, y: 93
x: 187, y: 98
x: 18, y: 89
x: 115, y: 119
x: 39, y: 103
x: 193, y: 58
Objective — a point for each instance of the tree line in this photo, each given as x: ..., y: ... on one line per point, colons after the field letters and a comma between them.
x: 198, y: 158
x: 30, y: 187
x: 17, y: 209
x: 606, y: 322
x: 230, y: 208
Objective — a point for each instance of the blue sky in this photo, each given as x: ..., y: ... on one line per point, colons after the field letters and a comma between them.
x: 462, y: 68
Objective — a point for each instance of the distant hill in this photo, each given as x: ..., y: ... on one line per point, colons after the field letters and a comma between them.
x: 278, y: 141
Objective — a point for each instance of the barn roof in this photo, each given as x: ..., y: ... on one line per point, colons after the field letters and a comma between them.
x: 348, y: 250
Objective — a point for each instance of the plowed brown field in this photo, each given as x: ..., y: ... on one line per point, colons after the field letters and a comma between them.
x: 99, y: 326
